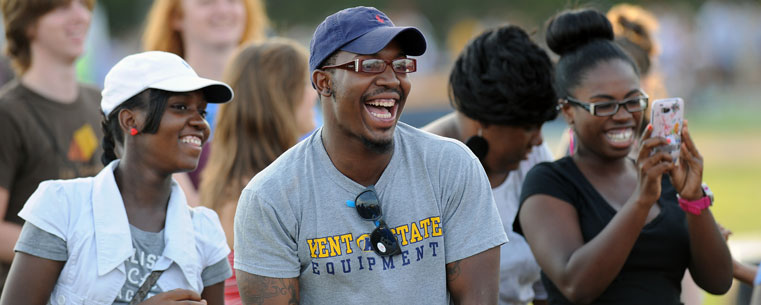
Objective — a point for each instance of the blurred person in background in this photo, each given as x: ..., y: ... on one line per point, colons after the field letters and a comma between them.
x: 622, y: 231
x: 499, y: 110
x: 128, y: 234
x: 742, y: 272
x: 49, y: 123
x: 273, y: 106
x: 205, y: 33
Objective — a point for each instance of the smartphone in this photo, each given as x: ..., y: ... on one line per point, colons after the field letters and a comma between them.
x: 666, y: 117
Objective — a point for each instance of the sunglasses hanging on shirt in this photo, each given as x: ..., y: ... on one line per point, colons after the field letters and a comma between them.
x: 382, y: 240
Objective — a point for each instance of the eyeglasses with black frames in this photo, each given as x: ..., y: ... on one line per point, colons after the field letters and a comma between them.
x: 632, y: 104
x: 376, y: 65
x: 382, y: 240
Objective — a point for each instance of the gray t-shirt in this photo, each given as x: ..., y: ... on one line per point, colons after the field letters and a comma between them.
x: 148, y: 248
x: 293, y: 221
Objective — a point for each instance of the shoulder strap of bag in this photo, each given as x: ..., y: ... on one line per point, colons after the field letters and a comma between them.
x: 146, y: 287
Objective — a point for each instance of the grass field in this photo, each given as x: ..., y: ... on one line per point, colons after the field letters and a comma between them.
x: 730, y: 142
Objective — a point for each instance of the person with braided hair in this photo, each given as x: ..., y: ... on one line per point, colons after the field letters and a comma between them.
x: 127, y: 235
x: 499, y: 112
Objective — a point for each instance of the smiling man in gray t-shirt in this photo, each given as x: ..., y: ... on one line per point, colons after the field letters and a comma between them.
x: 425, y: 228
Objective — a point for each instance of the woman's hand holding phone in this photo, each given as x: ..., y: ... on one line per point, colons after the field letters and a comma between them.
x: 687, y: 176
x: 651, y: 166
x: 668, y: 123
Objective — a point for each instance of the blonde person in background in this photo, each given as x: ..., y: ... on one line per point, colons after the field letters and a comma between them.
x: 273, y: 106
x: 205, y: 33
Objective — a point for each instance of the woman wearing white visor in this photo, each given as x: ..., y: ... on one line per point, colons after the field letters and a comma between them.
x: 127, y: 235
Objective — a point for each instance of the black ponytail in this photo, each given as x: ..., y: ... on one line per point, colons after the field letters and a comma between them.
x: 152, y: 100
x: 583, y: 38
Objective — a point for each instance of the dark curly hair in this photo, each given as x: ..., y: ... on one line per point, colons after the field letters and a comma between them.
x: 152, y: 100
x: 503, y: 78
x: 583, y: 38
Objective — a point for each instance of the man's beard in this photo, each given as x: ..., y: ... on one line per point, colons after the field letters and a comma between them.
x: 378, y: 147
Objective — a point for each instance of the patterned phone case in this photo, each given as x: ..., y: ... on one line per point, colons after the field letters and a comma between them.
x: 666, y: 116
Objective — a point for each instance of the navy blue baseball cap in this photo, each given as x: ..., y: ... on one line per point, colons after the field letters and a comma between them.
x: 361, y: 30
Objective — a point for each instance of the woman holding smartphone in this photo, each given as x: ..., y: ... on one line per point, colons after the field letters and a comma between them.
x: 127, y: 234
x: 606, y: 228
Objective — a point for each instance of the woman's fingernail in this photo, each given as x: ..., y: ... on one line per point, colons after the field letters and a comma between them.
x: 649, y: 127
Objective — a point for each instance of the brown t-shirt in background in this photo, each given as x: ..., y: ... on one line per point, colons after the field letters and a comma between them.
x: 28, y: 155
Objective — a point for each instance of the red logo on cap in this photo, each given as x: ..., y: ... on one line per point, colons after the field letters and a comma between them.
x: 379, y: 19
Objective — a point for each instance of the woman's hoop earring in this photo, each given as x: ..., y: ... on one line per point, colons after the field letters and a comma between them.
x: 478, y: 145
